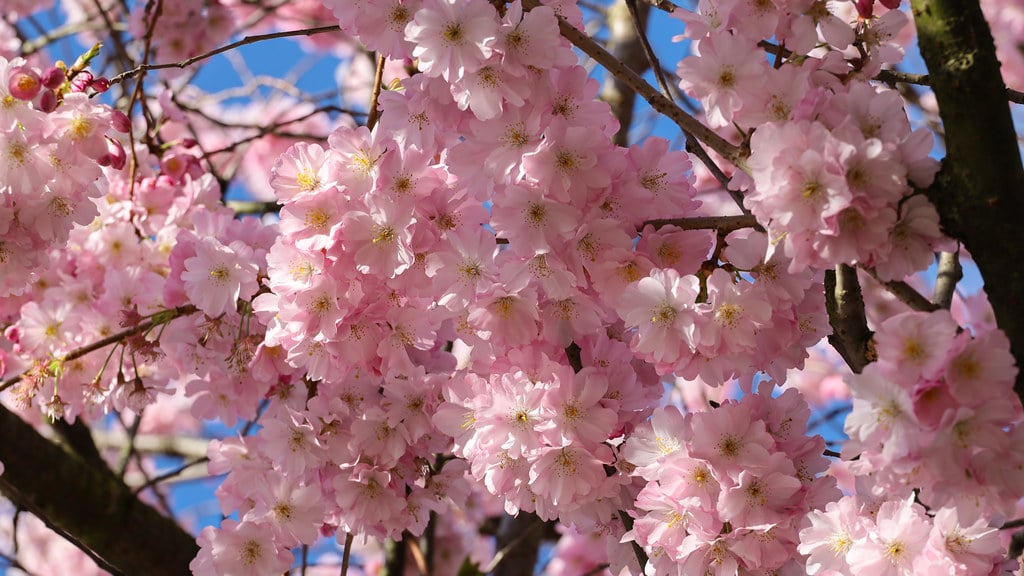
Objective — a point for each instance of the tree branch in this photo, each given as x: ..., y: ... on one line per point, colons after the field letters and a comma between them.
x: 892, y: 76
x: 979, y: 193
x: 89, y: 507
x: 949, y: 274
x: 735, y: 154
x: 625, y: 45
x: 845, y: 304
x: 158, y: 318
x: 227, y: 47
x: 378, y: 80
x: 904, y: 293
x: 720, y: 223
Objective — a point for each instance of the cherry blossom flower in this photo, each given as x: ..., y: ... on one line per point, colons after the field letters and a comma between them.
x: 452, y: 38
x: 217, y: 276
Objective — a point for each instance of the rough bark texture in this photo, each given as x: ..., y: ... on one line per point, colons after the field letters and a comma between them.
x: 89, y: 506
x: 845, y: 304
x: 979, y: 191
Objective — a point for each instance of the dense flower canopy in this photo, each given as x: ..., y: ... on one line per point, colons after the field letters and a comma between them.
x: 478, y: 299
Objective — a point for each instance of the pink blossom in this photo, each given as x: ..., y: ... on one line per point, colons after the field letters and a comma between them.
x: 304, y: 170
x: 660, y: 306
x: 830, y: 536
x: 730, y: 440
x: 246, y: 549
x: 724, y: 75
x: 217, y: 276
x: 531, y: 40
x: 900, y: 534
x: 452, y: 38
x: 914, y: 345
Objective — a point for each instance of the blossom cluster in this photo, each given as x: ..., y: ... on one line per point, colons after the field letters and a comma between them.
x: 112, y: 277
x: 937, y: 412
x: 474, y: 303
x: 535, y: 435
x: 833, y: 160
x: 728, y: 489
x: 745, y: 316
x: 872, y: 534
x: 53, y: 142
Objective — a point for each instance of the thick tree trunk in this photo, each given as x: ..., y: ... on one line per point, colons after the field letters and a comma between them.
x: 89, y: 506
x: 980, y: 191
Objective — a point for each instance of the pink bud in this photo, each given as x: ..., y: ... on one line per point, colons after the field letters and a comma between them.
x: 82, y: 81
x: 117, y: 155
x: 120, y: 121
x: 12, y: 333
x: 48, y: 101
x: 53, y: 78
x: 865, y: 8
x: 24, y: 84
x: 100, y: 85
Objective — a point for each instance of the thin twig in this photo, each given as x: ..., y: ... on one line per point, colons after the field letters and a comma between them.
x: 692, y: 145
x: 378, y: 80
x: 504, y: 552
x: 645, y: 43
x: 638, y: 551
x: 231, y: 147
x: 206, y: 55
x: 137, y: 96
x: 252, y: 207
x: 347, y: 554
x: 40, y: 42
x: 129, y: 448
x: 417, y: 556
x: 827, y: 417
x: 151, y: 482
x: 112, y: 339
x: 904, y: 293
x: 1010, y: 524
x: 122, y: 51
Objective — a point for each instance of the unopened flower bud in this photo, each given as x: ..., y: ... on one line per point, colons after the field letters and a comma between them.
x: 865, y: 8
x: 48, y: 101
x: 100, y: 85
x: 117, y: 155
x: 120, y: 121
x: 53, y: 78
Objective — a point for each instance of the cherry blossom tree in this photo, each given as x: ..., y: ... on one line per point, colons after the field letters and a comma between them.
x: 530, y: 289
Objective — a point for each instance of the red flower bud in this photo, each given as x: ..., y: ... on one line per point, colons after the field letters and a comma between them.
x: 53, y: 78
x: 48, y: 101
